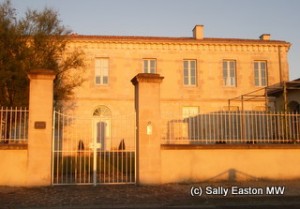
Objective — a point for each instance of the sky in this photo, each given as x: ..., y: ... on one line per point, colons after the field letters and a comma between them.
x: 176, y: 18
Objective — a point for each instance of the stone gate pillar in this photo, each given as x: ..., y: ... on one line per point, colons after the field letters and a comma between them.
x: 40, y: 127
x: 147, y: 105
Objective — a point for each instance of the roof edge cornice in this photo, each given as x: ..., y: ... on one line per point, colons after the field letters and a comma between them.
x: 175, y: 40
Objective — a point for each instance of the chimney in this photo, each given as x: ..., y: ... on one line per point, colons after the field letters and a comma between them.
x: 198, y: 32
x: 265, y: 37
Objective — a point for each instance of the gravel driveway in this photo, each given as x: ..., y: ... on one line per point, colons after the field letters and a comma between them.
x: 162, y: 196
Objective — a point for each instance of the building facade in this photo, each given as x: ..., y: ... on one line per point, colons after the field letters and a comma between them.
x: 200, y: 73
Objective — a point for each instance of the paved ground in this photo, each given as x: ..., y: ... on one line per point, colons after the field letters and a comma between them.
x: 165, y: 196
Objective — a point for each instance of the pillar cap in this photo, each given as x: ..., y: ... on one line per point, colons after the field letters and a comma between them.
x: 147, y: 78
x: 41, y: 73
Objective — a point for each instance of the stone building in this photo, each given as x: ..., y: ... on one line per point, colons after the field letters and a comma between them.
x: 200, y: 73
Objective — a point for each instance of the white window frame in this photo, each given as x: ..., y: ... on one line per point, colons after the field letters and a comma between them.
x: 260, y: 73
x: 147, y: 67
x: 101, y: 71
x: 229, y: 73
x: 189, y: 77
x: 190, y: 111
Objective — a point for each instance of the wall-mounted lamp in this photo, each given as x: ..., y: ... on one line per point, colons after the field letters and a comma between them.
x: 149, y: 128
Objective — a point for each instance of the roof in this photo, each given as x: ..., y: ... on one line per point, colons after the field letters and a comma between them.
x: 279, y: 88
x: 175, y: 39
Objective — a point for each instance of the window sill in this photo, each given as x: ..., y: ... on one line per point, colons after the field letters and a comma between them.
x: 101, y: 85
x: 230, y: 87
x: 13, y: 146
x: 190, y: 86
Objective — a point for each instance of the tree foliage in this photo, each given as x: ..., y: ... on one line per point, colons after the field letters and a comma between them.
x: 36, y: 41
x: 12, y: 55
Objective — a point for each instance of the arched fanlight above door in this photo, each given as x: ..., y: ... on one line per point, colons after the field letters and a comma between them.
x: 102, y: 111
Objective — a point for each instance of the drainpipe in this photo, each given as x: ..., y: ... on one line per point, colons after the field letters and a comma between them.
x: 280, y: 66
x: 284, y: 97
x: 266, y: 99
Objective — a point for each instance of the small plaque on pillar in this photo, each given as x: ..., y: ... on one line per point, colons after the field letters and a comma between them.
x: 39, y: 124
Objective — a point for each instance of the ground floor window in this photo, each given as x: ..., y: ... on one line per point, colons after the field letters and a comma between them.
x: 190, y: 111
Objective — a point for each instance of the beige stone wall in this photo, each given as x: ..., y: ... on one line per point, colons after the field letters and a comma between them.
x: 228, y: 164
x: 210, y: 94
x: 13, y: 167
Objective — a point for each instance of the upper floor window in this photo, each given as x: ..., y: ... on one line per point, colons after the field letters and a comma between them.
x: 189, y: 72
x: 149, y: 65
x: 260, y: 73
x: 101, y: 71
x: 229, y: 72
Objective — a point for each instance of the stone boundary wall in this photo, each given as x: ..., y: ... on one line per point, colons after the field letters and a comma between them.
x: 229, y: 163
x: 30, y: 164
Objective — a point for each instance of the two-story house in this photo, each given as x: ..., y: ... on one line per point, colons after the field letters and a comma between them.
x: 200, y: 73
